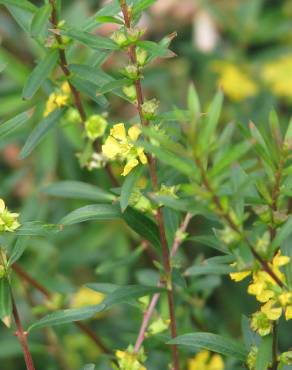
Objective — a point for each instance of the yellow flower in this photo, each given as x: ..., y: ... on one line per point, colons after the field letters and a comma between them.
x: 238, y: 276
x: 119, y: 146
x: 288, y: 313
x: 235, y: 83
x: 205, y: 361
x: 8, y: 220
x: 129, y: 360
x: 272, y: 313
x: 278, y: 75
x: 58, y: 99
x: 86, y: 297
x: 261, y: 324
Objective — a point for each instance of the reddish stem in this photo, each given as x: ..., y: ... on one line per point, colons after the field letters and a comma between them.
x: 22, y: 336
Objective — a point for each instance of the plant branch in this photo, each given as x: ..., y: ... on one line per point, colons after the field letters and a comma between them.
x: 76, y: 94
x: 221, y: 212
x: 150, y: 309
x: 275, y: 346
x: 22, y: 336
x: 153, y: 175
x: 85, y: 329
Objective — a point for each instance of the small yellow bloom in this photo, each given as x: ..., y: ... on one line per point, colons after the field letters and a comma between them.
x: 288, y: 313
x: 120, y: 146
x: 8, y: 220
x: 86, y: 297
x: 235, y: 83
x: 238, y: 276
x: 95, y: 126
x: 278, y: 76
x: 272, y: 313
x: 129, y: 360
x: 261, y: 324
x: 204, y: 360
x: 280, y: 260
x: 58, y: 99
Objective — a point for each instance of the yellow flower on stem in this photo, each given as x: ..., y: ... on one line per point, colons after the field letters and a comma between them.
x: 8, y: 220
x: 273, y: 313
x: 236, y: 84
x: 120, y: 145
x: 58, y: 99
x: 204, y: 360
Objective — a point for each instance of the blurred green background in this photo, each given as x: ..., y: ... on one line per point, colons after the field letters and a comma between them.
x: 242, y: 46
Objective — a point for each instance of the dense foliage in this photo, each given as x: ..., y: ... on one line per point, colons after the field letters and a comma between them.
x: 153, y: 226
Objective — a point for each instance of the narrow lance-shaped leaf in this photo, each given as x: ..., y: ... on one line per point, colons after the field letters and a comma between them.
x: 92, y: 41
x: 212, y: 342
x: 18, y: 249
x: 40, y: 132
x: 5, y: 298
x: 141, y: 5
x: 23, y: 4
x: 13, y: 124
x: 40, y: 21
x: 78, y: 190
x: 67, y: 316
x: 142, y: 225
x: 209, y: 126
x: 39, y: 74
x: 128, y: 186
x: 264, y: 355
x: 95, y: 212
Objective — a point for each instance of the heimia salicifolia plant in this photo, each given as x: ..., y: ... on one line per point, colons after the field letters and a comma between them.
x: 179, y: 163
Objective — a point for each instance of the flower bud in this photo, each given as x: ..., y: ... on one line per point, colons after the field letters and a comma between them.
x: 95, y: 126
x: 149, y: 108
x: 131, y: 71
x: 120, y: 38
x: 130, y: 92
x: 141, y: 55
x: 286, y: 358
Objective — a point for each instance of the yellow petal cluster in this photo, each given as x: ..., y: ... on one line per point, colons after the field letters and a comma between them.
x: 120, y: 145
x: 58, y: 99
x: 278, y: 76
x: 8, y: 220
x: 235, y: 83
x: 129, y: 360
x: 204, y: 360
x: 275, y: 299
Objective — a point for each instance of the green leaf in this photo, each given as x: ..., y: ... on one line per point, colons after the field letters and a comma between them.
x: 95, y: 212
x: 182, y: 164
x: 194, y: 105
x: 23, y: 4
x: 39, y: 132
x: 92, y: 41
x: 288, y: 135
x: 230, y: 156
x: 250, y: 337
x: 210, y: 241
x: 212, y: 120
x: 155, y: 50
x: 18, y: 249
x: 35, y: 228
x: 108, y: 19
x: 113, y: 85
x: 264, y: 355
x: 212, y: 342
x: 142, y: 225
x: 40, y: 21
x: 78, y: 190
x: 67, y: 316
x: 123, y: 294
x: 5, y: 298
x: 39, y: 74
x: 14, y: 123
x: 89, y: 367
x: 209, y: 269
x: 89, y: 89
x: 141, y: 5
x: 283, y: 232
x: 129, y: 185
